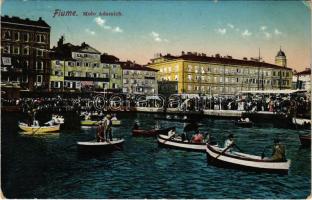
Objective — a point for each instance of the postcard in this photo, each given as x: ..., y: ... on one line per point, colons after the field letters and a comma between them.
x: 155, y: 99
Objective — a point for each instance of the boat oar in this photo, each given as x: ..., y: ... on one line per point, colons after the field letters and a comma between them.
x: 224, y: 150
x: 262, y: 154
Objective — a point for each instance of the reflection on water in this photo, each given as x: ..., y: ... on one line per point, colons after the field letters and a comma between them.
x: 48, y: 166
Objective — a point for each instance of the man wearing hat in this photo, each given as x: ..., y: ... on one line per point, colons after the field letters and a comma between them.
x: 108, y: 127
x: 278, y: 153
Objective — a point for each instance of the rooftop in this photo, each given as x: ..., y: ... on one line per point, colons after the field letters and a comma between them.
x: 133, y: 66
x: 307, y: 71
x: 19, y: 21
x: 222, y: 60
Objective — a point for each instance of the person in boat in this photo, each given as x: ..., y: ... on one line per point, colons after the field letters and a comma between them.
x: 135, y: 126
x: 278, y: 153
x: 108, y: 127
x: 229, y: 143
x: 242, y: 120
x: 247, y: 120
x: 171, y: 133
x: 100, y: 133
x: 114, y: 117
x: 197, y: 138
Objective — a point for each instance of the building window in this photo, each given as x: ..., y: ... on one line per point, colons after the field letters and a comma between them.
x: 78, y: 64
x: 189, y: 77
x: 26, y: 50
x: 39, y: 79
x: 39, y: 65
x: 169, y: 69
x: 16, y: 50
x: 39, y: 52
x: 196, y: 69
x: 16, y: 36
x: 26, y: 37
x: 7, y: 49
x: 189, y: 87
x: 95, y: 65
x: 40, y: 38
x: 176, y: 78
x: 189, y: 68
x: 221, y: 79
x: 7, y: 35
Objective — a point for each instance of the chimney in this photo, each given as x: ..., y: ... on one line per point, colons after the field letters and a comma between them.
x: 218, y: 55
x: 183, y: 53
x: 61, y: 41
x: 245, y: 58
x: 40, y: 19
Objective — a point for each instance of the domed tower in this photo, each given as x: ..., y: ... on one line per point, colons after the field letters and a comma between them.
x: 280, y: 58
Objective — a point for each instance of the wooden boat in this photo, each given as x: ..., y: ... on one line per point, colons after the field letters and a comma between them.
x: 89, y: 123
x: 215, y: 156
x: 305, y: 140
x: 38, y: 129
x: 150, y: 133
x: 95, y: 123
x: 100, y: 147
x: 245, y: 124
x: 301, y: 123
x: 177, y: 143
x: 116, y: 122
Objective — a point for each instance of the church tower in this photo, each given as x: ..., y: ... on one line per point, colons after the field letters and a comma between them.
x: 280, y: 58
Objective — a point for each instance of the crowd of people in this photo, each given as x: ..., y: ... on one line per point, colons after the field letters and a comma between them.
x: 294, y: 106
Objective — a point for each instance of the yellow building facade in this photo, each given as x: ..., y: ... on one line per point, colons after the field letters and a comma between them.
x: 198, y: 74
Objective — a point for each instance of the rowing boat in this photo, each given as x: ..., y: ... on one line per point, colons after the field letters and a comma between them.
x: 100, y: 147
x: 38, y: 129
x: 243, y: 124
x: 89, y: 123
x: 95, y: 123
x: 305, y: 140
x: 150, y: 133
x: 177, y: 143
x: 236, y: 160
x: 116, y: 122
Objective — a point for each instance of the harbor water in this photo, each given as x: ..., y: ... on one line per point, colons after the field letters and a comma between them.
x: 48, y: 166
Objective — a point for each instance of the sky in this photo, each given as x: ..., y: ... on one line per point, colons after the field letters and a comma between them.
x: 145, y: 28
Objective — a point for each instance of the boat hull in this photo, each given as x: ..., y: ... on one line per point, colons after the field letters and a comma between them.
x: 164, y: 141
x: 253, y: 163
x: 305, y: 140
x: 94, y: 147
x: 95, y: 123
x: 244, y: 124
x: 39, y: 129
x: 150, y: 133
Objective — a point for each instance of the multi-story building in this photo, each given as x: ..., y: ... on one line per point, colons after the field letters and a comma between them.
x: 138, y: 79
x: 25, y: 61
x: 302, y: 80
x: 115, y: 72
x: 197, y: 73
x: 77, y: 68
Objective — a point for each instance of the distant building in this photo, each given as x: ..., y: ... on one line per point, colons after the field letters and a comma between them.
x: 25, y: 62
x: 77, y: 68
x: 302, y: 80
x: 167, y: 88
x: 115, y: 72
x: 280, y: 59
x: 200, y: 74
x: 138, y: 79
